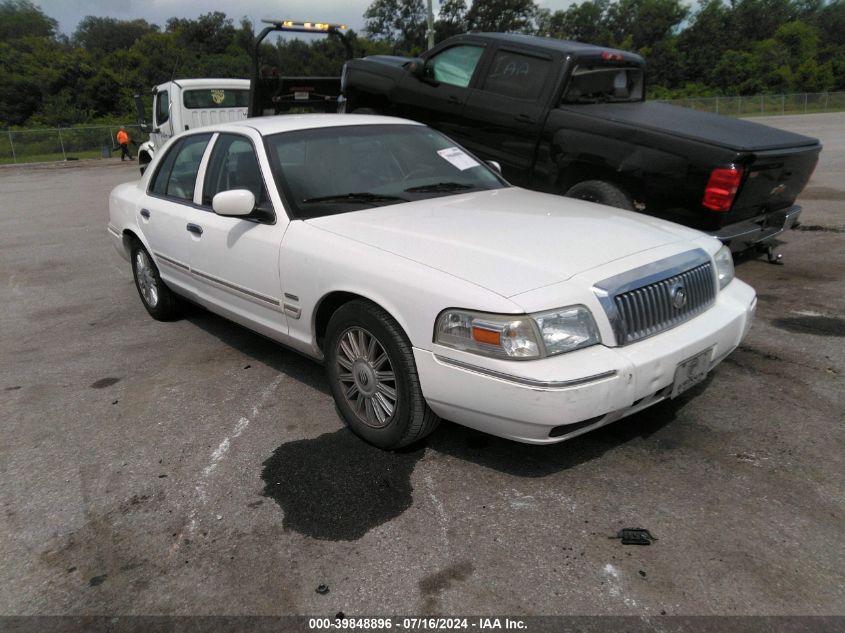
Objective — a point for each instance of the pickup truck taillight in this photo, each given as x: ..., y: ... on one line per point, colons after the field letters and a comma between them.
x: 721, y: 188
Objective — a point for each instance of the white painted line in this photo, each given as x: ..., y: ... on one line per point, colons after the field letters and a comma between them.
x: 217, y: 456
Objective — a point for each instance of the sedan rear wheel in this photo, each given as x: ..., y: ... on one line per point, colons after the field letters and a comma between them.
x: 157, y: 298
x: 373, y: 377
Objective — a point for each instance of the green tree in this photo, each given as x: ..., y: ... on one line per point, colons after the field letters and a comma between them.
x: 451, y: 19
x: 644, y: 22
x: 508, y: 16
x: 211, y: 33
x: 106, y: 35
x: 400, y: 22
x: 21, y: 18
x: 585, y: 22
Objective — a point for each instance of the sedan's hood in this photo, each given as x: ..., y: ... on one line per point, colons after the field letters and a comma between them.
x: 506, y: 240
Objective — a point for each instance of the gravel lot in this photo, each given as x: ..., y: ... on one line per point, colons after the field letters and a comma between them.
x: 195, y: 468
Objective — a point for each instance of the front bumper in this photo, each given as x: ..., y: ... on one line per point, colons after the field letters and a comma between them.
x: 533, y: 401
x: 758, y: 231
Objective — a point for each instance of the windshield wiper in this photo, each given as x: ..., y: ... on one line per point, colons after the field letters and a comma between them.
x: 440, y: 186
x: 359, y: 196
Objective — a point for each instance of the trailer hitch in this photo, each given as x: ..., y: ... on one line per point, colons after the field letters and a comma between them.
x: 773, y: 256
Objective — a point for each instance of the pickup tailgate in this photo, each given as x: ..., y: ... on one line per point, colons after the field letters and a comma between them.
x: 773, y: 181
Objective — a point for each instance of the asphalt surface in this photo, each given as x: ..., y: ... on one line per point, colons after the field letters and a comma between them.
x: 195, y: 468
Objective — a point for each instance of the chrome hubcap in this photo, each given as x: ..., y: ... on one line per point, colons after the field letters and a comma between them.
x: 146, y: 279
x: 366, y: 377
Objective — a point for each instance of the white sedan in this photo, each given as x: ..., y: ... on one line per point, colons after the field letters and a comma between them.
x: 428, y: 286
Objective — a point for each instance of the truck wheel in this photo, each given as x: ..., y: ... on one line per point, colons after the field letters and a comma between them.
x: 373, y: 377
x: 601, y: 192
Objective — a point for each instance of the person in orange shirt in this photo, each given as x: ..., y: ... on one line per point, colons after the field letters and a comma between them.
x: 123, y: 141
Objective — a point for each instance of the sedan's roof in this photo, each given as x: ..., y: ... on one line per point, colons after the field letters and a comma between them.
x: 291, y: 122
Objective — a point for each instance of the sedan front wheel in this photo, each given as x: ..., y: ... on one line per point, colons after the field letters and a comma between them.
x: 371, y: 371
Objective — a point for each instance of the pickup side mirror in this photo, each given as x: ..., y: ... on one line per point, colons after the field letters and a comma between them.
x: 416, y: 67
x: 236, y: 203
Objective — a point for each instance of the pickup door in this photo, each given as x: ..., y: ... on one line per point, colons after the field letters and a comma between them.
x: 439, y: 98
x: 508, y: 108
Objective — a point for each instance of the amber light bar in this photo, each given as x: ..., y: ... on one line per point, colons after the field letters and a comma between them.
x: 306, y: 27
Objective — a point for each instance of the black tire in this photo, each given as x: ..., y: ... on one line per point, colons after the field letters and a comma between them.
x: 601, y: 192
x: 362, y: 392
x: 158, y: 299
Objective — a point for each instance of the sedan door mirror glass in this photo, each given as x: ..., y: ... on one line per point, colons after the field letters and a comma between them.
x: 236, y: 202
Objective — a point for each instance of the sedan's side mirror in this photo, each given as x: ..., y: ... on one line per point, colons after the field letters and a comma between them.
x: 496, y: 165
x: 237, y: 202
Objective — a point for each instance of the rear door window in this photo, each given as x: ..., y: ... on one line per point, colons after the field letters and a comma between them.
x: 177, y: 176
x: 517, y: 75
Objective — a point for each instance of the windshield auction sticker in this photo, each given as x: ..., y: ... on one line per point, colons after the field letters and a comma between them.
x: 458, y: 158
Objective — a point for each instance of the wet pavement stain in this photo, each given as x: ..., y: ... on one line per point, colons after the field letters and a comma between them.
x: 816, y: 228
x: 435, y: 584
x: 97, y: 580
x: 818, y: 325
x: 336, y: 487
x: 102, y: 383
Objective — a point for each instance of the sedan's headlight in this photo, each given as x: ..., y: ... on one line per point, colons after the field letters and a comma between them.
x: 517, y: 337
x: 724, y: 266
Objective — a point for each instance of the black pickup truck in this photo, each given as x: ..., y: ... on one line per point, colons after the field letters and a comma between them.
x: 571, y: 118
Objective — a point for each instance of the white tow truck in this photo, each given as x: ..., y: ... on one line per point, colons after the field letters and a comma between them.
x: 185, y: 104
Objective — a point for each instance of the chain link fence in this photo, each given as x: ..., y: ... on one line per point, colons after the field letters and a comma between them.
x: 56, y: 144
x: 766, y: 105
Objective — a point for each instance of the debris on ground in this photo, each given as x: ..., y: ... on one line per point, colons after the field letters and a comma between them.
x: 322, y: 589
x: 635, y: 536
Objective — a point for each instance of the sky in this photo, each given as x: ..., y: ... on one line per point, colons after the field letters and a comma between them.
x: 69, y: 12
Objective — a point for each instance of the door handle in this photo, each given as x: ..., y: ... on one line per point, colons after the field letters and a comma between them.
x: 196, y: 229
x: 524, y: 118
x: 145, y: 213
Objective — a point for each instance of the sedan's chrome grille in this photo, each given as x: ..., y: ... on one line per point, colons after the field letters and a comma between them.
x: 654, y: 308
x: 659, y: 296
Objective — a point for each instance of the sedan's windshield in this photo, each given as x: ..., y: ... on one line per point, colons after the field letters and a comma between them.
x: 324, y: 171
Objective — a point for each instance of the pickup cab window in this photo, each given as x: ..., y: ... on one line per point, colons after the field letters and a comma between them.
x: 600, y: 84
x: 515, y: 75
x: 455, y: 65
x: 177, y: 175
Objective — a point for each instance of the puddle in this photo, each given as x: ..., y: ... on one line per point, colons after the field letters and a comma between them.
x: 336, y: 487
x: 818, y: 325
